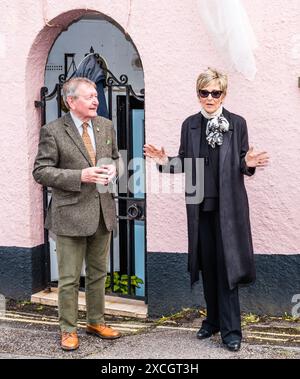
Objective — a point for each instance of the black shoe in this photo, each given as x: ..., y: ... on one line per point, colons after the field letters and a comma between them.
x: 203, y: 333
x: 233, y: 345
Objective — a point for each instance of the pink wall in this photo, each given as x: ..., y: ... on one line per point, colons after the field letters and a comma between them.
x: 174, y: 47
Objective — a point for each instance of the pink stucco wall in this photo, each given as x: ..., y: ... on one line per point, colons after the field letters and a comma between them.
x: 174, y: 48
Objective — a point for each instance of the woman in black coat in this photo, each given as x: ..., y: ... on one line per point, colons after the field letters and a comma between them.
x: 220, y: 243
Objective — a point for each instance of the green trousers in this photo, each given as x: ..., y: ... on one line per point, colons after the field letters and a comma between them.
x: 70, y: 254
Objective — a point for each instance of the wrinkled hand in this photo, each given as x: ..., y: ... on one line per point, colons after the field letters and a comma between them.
x: 95, y: 175
x: 256, y: 159
x: 111, y: 171
x: 158, y: 155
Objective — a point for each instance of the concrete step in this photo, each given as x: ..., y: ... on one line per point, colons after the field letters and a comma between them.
x: 114, y: 305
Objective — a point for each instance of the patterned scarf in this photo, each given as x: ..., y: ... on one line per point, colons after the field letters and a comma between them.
x: 216, y: 126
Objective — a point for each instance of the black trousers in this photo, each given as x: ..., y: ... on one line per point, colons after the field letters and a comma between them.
x: 223, y: 308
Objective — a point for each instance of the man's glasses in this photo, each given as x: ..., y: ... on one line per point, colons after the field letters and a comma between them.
x: 215, y: 94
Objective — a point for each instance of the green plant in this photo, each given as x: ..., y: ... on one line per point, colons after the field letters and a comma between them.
x: 120, y: 283
x: 185, y: 315
x: 24, y: 302
x: 250, y: 318
x: 290, y: 318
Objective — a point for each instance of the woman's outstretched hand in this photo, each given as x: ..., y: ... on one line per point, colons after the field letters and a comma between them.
x: 158, y: 155
x: 256, y: 159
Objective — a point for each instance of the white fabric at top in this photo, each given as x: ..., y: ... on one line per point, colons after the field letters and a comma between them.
x: 228, y: 23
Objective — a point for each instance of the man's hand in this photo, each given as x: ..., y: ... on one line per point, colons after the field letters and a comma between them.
x: 95, y: 175
x: 256, y: 159
x: 111, y: 171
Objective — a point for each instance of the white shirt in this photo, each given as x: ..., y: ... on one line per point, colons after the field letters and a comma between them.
x: 78, y: 123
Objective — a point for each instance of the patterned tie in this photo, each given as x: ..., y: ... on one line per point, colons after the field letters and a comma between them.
x: 88, y: 143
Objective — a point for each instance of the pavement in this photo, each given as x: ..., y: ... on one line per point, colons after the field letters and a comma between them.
x: 31, y: 332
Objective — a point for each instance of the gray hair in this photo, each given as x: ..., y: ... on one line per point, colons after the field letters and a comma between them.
x: 70, y: 87
x: 205, y: 78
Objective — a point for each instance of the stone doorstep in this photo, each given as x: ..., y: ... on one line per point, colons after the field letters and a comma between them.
x: 114, y: 305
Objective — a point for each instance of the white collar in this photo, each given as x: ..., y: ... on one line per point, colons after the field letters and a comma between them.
x: 209, y: 116
x: 78, y: 123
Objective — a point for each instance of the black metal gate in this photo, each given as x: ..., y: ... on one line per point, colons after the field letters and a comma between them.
x: 130, y: 205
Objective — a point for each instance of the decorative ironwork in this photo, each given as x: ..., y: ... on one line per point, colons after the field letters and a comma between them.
x: 62, y: 78
x: 113, y: 81
x: 69, y: 66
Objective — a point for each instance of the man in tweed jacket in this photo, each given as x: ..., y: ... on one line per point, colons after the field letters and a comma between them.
x: 80, y: 216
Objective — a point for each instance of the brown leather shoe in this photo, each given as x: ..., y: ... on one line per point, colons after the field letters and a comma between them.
x: 69, y: 341
x: 103, y: 331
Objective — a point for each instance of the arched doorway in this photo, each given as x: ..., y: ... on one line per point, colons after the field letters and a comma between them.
x: 124, y: 95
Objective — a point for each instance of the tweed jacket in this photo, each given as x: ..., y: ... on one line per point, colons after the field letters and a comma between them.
x: 74, y: 209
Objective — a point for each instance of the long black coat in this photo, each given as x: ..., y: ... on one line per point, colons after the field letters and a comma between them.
x: 234, y: 208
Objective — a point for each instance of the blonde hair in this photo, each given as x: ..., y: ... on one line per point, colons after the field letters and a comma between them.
x: 206, y: 77
x: 70, y: 87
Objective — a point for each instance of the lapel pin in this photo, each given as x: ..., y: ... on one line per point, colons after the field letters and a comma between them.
x: 108, y: 142
x: 98, y: 130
